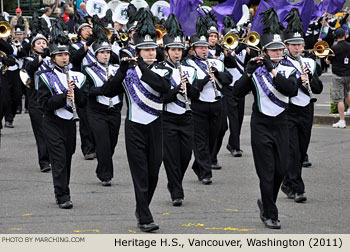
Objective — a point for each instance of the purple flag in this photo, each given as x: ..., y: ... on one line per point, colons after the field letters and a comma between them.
x: 330, y: 6
x: 282, y: 7
x: 187, y: 14
x: 230, y: 7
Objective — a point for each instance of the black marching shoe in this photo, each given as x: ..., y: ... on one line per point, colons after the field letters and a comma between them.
x: 45, y: 169
x: 272, y: 224
x: 215, y: 166
x: 261, y: 209
x: 9, y: 124
x: 306, y: 162
x: 237, y: 153
x: 66, y: 205
x: 177, y: 202
x: 287, y: 191
x: 207, y: 181
x: 299, y: 197
x: 107, y: 182
x: 148, y: 227
x: 90, y: 156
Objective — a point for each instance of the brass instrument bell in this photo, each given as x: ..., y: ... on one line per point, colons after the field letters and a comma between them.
x: 161, y: 31
x: 5, y: 29
x: 321, y: 49
x: 252, y: 40
x: 230, y: 41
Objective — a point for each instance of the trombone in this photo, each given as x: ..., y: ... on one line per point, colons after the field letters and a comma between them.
x: 161, y: 31
x: 229, y: 42
x: 252, y: 40
x: 321, y: 49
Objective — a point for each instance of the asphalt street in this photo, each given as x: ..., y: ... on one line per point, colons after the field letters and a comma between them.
x: 228, y: 206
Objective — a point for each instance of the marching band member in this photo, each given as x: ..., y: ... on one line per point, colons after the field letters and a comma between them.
x: 81, y: 54
x: 207, y: 108
x: 57, y: 95
x: 271, y: 83
x: 38, y: 60
x: 129, y: 50
x: 103, y: 112
x: 143, y: 84
x: 177, y: 115
x: 301, y: 107
x: 5, y: 62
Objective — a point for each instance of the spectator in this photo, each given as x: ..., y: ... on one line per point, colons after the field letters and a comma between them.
x: 14, y: 22
x: 341, y: 74
x: 46, y: 15
x: 66, y: 11
x: 82, y: 9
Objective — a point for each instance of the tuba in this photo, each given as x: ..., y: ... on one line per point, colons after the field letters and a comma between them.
x: 5, y: 29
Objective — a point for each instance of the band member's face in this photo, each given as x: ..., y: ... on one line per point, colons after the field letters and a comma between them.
x: 149, y: 53
x: 213, y: 37
x: 174, y: 53
x: 295, y: 49
x: 86, y: 32
x: 201, y: 51
x: 275, y: 53
x: 117, y: 26
x: 39, y: 45
x: 103, y: 56
x: 61, y: 59
x: 19, y: 36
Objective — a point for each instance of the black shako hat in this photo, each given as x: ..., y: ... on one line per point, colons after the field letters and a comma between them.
x: 293, y: 34
x: 271, y: 37
x: 146, y: 35
x: 175, y: 35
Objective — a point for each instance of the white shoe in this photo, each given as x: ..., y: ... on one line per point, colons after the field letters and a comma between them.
x: 347, y: 113
x: 340, y: 124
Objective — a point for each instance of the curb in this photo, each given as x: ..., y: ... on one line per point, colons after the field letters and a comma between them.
x: 329, y: 119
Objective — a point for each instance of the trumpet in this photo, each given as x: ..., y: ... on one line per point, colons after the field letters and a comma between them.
x: 16, y: 42
x: 321, y: 49
x: 187, y: 103
x: 72, y: 100
x: 73, y: 38
x: 217, y: 94
x: 307, y: 83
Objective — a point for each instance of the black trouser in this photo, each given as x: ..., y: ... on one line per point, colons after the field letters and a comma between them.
x: 206, y: 123
x: 177, y: 144
x: 86, y: 137
x: 105, y: 126
x: 14, y: 94
x: 3, y: 98
x: 144, y: 152
x: 20, y: 105
x: 61, y: 139
x: 235, y: 113
x: 300, y: 124
x: 223, y: 126
x: 269, y: 140
x: 36, y: 119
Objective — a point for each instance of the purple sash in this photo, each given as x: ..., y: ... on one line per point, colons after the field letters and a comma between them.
x: 132, y: 81
x: 259, y: 73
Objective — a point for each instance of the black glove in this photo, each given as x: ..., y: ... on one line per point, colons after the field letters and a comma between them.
x: 90, y: 40
x: 251, y: 66
x: 141, y: 63
x: 45, y: 53
x: 268, y: 63
x: 200, y: 83
x: 124, y: 66
x: 240, y: 48
x: 113, y: 38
